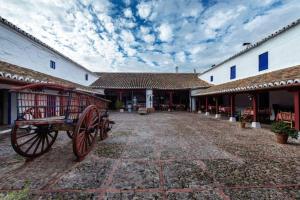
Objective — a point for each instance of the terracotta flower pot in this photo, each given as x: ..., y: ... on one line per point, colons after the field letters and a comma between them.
x: 243, y: 124
x: 282, y: 138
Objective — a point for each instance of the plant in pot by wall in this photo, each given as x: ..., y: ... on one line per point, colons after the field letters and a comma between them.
x: 283, y: 131
x: 119, y: 105
x: 242, y: 122
x: 242, y: 119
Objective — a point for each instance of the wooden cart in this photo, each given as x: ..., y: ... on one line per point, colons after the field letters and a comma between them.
x: 45, y: 109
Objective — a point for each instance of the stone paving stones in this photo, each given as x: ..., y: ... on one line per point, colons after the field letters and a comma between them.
x: 136, y: 175
x: 260, y: 150
x: 166, y: 155
x: 254, y: 172
x: 116, y: 140
x: 91, y: 173
x: 257, y: 193
x: 133, y: 195
x: 39, y: 172
x: 64, y: 196
x: 109, y: 150
x: 138, y: 152
x: 207, y: 152
x: 185, y: 174
x: 206, y: 194
x: 174, y: 153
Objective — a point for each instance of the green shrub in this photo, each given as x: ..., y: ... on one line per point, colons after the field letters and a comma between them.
x: 284, y: 128
x: 17, y: 195
x: 119, y: 104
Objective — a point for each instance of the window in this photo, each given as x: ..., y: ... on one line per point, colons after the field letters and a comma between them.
x: 263, y: 61
x: 233, y: 72
x: 86, y: 77
x: 52, y: 64
x: 211, y: 78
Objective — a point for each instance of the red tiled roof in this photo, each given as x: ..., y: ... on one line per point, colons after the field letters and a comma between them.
x: 276, y: 79
x: 26, y: 76
x: 162, y: 81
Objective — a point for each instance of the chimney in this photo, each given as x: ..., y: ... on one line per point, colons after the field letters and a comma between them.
x: 247, y: 44
x: 195, y: 72
x: 176, y: 69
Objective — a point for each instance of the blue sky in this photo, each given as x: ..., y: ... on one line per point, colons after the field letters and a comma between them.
x: 156, y: 36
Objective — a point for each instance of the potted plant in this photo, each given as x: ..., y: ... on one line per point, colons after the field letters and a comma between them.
x: 119, y: 105
x: 283, y: 131
x: 242, y: 120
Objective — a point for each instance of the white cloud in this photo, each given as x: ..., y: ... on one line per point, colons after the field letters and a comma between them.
x: 144, y: 30
x: 144, y: 9
x: 149, y: 38
x: 128, y: 13
x: 196, y: 49
x: 184, y: 28
x: 127, y: 36
x: 165, y: 32
x: 181, y: 57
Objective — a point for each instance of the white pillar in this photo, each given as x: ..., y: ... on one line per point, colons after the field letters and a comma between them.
x: 232, y: 119
x: 149, y: 98
x: 193, y: 102
x: 255, y: 125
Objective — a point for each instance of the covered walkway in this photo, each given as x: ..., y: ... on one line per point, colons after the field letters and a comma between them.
x: 260, y: 99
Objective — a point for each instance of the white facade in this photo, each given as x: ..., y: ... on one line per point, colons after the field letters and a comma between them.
x: 283, y: 51
x: 15, y: 48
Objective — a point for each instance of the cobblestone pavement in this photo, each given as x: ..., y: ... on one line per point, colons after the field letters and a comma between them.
x: 161, y: 156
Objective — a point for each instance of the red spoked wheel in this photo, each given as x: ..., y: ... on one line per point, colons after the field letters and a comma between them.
x: 104, y: 129
x: 32, y: 141
x: 70, y: 134
x: 85, y: 133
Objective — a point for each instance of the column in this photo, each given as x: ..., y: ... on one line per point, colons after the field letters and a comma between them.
x: 255, y: 122
x: 170, y: 100
x: 149, y: 98
x: 120, y: 95
x: 297, y: 109
x: 206, y: 105
x: 193, y: 106
x: 199, y: 105
x: 232, y: 108
x: 218, y: 115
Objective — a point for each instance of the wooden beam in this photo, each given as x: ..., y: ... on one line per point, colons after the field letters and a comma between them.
x: 217, y: 104
x: 255, y: 107
x: 232, y: 104
x: 297, y: 109
x: 206, y: 103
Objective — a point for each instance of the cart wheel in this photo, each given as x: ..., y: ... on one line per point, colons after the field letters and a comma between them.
x: 70, y: 134
x: 32, y: 141
x: 85, y: 133
x: 104, y: 129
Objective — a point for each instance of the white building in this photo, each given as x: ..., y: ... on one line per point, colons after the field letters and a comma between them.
x: 277, y: 51
x: 262, y: 80
x: 20, y: 48
x: 24, y: 59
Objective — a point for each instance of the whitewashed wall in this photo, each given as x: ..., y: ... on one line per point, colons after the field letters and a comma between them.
x: 19, y: 50
x: 284, y: 51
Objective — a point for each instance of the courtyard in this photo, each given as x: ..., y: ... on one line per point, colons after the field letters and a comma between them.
x: 163, y: 155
